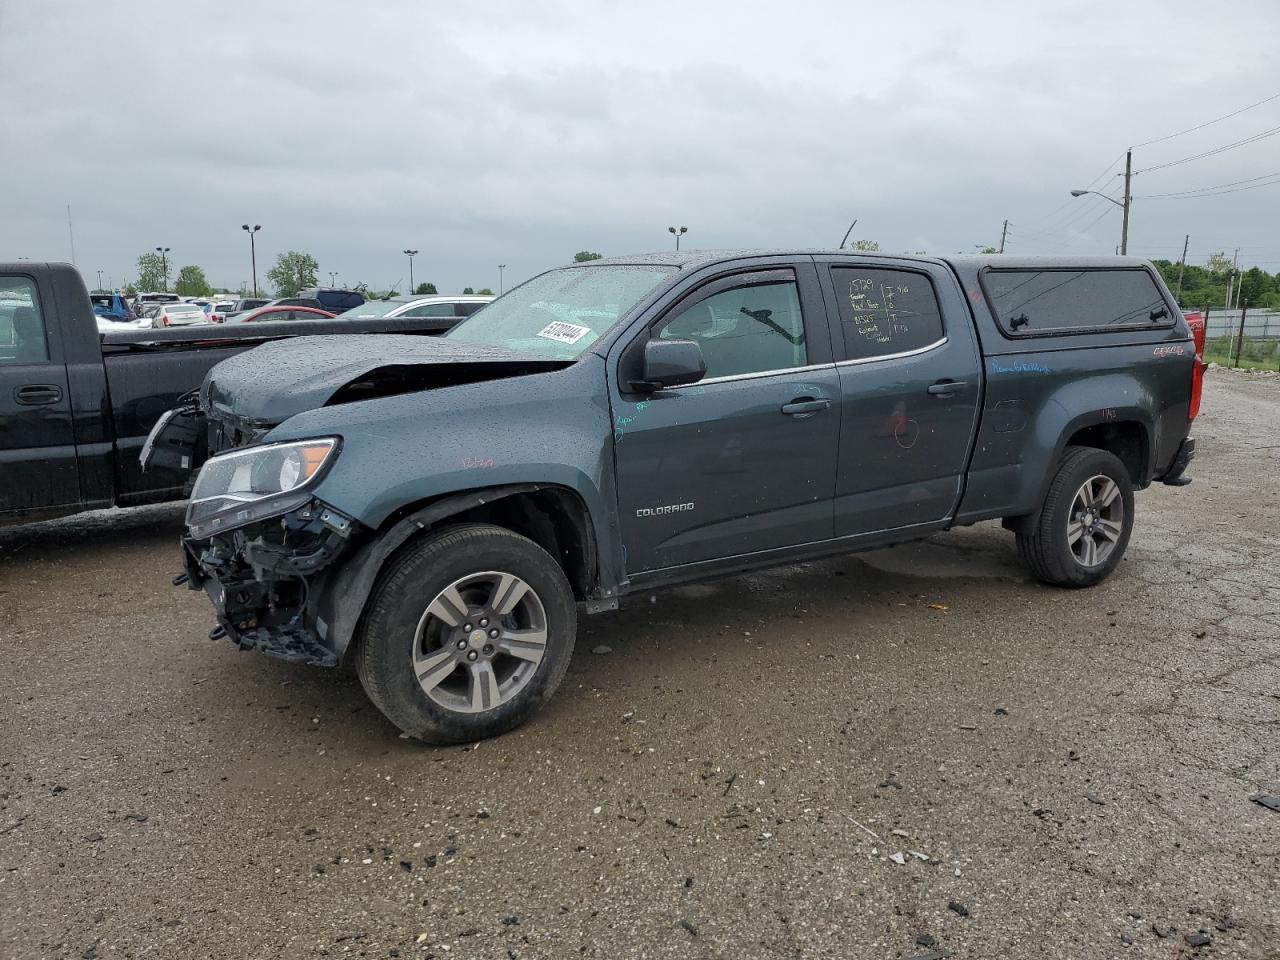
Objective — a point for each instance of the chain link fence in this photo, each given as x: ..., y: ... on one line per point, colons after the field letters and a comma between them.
x: 1255, y: 344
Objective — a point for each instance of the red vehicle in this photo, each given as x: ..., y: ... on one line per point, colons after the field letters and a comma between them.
x: 275, y: 314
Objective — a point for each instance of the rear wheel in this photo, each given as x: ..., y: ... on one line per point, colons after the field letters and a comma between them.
x: 1085, y: 523
x: 468, y: 634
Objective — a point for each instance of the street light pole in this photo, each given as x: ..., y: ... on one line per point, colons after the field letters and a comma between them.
x: 253, y: 253
x: 99, y: 281
x: 411, y: 254
x: 678, y: 235
x: 333, y: 278
x: 1128, y: 201
x: 164, y: 265
x: 501, y: 288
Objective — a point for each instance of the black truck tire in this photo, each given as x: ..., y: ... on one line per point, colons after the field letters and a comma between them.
x: 454, y: 683
x: 1045, y: 543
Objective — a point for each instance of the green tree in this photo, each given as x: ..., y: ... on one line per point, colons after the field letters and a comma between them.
x: 150, y: 272
x: 865, y: 246
x: 986, y: 250
x: 582, y: 256
x: 292, y: 272
x: 426, y: 289
x: 192, y: 282
x: 485, y: 291
x: 467, y: 290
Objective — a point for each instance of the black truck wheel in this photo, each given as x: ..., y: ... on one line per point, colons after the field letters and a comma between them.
x: 469, y: 632
x: 1084, y: 525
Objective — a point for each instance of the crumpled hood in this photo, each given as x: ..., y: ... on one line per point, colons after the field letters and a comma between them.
x: 271, y: 383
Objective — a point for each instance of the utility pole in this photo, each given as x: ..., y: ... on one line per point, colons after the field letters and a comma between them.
x: 501, y: 287
x: 1240, y: 335
x: 71, y: 235
x: 1182, y: 265
x: 1128, y: 201
x: 1003, y: 233
x: 1231, y: 280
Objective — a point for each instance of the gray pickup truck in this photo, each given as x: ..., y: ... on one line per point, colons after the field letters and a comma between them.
x: 433, y: 510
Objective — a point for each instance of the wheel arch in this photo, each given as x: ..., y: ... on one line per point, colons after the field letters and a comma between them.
x: 553, y: 516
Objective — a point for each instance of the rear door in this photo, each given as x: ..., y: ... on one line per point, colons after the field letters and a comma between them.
x: 910, y: 382
x: 38, y: 467
x: 743, y: 461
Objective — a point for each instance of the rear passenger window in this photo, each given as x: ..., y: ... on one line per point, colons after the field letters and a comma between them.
x: 431, y: 310
x: 1030, y: 302
x: 22, y: 338
x: 886, y: 312
x: 749, y: 329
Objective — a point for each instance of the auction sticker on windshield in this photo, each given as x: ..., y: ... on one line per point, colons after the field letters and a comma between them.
x: 564, y: 332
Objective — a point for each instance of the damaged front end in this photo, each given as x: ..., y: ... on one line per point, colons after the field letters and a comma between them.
x: 258, y: 542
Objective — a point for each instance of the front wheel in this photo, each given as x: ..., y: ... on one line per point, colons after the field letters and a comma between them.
x: 1085, y: 523
x: 469, y: 633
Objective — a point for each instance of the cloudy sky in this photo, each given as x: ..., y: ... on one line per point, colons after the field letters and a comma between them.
x: 520, y: 132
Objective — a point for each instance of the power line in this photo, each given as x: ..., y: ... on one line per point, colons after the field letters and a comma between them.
x: 1051, y: 214
x: 1208, y: 123
x: 1216, y: 191
x: 1216, y: 150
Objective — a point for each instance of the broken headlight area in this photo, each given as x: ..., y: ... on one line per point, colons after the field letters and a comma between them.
x: 266, y: 578
x: 255, y: 483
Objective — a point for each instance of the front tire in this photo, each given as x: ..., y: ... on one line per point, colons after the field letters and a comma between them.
x: 470, y: 631
x: 1084, y: 525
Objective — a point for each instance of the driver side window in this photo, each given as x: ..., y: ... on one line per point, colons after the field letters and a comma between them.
x: 749, y: 329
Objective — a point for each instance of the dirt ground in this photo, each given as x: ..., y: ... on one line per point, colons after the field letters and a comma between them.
x: 1065, y: 774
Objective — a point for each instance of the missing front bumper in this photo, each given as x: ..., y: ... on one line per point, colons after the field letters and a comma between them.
x: 264, y: 581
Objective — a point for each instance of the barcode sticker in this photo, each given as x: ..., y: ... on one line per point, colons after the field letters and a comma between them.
x: 563, y: 332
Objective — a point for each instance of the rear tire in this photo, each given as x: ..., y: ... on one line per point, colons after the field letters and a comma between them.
x: 468, y: 634
x: 1084, y: 525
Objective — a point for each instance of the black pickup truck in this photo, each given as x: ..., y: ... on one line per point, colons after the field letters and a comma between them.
x: 76, y: 405
x: 432, y: 509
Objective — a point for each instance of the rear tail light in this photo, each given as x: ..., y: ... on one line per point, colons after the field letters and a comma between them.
x: 164, y: 319
x: 1196, y: 322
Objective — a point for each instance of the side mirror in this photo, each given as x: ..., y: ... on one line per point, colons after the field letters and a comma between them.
x: 670, y: 363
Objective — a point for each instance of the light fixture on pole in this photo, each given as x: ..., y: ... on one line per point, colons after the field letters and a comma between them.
x: 333, y: 278
x: 501, y: 288
x: 678, y: 234
x: 411, y: 254
x: 253, y: 253
x: 1125, y: 205
x: 164, y: 265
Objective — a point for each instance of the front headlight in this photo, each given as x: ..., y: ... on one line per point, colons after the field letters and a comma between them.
x: 259, y: 482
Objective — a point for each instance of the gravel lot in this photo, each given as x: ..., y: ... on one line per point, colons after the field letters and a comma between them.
x: 1066, y: 774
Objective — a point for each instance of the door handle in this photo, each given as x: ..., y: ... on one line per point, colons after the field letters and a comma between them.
x: 38, y: 394
x: 946, y: 388
x: 799, y: 406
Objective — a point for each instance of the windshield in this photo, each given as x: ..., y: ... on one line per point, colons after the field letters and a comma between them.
x: 561, y: 313
x: 372, y: 308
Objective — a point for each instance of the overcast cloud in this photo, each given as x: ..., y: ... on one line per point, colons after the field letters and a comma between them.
x: 521, y: 132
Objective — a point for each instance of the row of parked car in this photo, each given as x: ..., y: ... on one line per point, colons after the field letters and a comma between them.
x: 159, y: 310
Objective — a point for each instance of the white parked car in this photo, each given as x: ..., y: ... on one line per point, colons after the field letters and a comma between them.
x: 456, y: 306
x: 179, y: 315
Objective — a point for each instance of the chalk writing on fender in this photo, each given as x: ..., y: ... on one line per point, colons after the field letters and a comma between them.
x: 663, y: 511
x: 1176, y: 350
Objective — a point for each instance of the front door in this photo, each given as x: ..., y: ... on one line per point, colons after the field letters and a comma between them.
x: 910, y: 379
x: 37, y: 443
x: 745, y: 460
